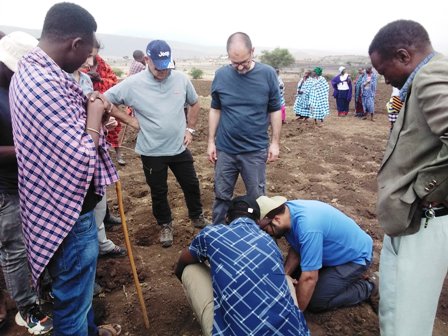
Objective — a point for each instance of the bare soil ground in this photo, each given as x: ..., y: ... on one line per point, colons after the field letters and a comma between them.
x: 335, y: 162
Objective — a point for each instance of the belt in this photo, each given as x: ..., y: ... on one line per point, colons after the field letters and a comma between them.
x: 438, y: 211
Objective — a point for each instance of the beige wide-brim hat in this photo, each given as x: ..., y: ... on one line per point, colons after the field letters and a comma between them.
x: 14, y: 46
x: 267, y: 204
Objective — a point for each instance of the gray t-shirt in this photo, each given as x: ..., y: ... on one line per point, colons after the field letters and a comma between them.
x: 159, y: 108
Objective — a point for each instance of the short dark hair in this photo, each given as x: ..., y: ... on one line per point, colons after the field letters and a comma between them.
x: 67, y: 20
x: 243, y: 206
x: 399, y: 34
x: 97, y: 44
x: 138, y: 54
x: 277, y: 211
x: 239, y: 36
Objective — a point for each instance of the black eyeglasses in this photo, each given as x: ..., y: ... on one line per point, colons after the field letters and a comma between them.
x: 244, y: 64
x: 265, y: 222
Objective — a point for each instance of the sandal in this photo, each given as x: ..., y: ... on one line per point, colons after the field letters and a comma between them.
x: 121, y: 161
x: 109, y: 330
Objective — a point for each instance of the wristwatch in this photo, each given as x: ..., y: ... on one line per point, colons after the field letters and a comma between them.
x: 192, y: 131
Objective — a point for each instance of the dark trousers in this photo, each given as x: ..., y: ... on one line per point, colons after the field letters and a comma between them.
x: 340, y: 286
x: 342, y: 104
x: 156, y: 173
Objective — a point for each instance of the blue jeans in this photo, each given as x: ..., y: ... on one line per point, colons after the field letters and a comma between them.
x: 72, y: 270
x: 251, y: 166
x: 13, y: 252
x: 340, y: 286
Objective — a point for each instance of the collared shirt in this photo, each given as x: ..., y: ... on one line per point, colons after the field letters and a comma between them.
x: 407, y: 84
x: 85, y: 83
x: 159, y: 109
x: 251, y: 295
x: 136, y: 67
x: 325, y: 236
x: 57, y: 159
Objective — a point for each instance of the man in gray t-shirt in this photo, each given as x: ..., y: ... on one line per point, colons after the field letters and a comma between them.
x: 157, y: 96
x: 245, y: 101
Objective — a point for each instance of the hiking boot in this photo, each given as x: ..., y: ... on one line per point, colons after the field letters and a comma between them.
x: 375, y: 294
x: 200, y: 222
x: 34, y: 320
x: 166, y: 235
x: 374, y: 279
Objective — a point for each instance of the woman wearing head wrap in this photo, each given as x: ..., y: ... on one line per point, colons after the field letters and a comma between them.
x: 342, y: 86
x: 319, y: 106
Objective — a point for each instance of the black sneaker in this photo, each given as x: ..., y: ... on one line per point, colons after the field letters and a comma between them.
x: 200, y: 222
x: 112, y: 220
x: 36, y: 322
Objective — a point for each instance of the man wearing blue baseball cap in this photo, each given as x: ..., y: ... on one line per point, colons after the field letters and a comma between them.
x: 158, y: 96
x: 160, y: 54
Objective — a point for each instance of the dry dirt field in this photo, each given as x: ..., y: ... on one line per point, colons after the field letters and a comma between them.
x: 335, y: 163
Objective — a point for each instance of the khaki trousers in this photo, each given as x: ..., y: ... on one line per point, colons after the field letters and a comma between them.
x: 412, y: 272
x: 197, y: 283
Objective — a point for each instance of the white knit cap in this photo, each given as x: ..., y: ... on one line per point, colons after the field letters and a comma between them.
x: 341, y: 68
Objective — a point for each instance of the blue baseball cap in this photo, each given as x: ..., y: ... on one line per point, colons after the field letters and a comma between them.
x: 160, y: 53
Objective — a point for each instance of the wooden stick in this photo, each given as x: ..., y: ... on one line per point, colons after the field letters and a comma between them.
x: 121, y: 135
x: 131, y: 254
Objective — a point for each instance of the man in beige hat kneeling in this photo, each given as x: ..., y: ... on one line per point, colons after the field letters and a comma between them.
x: 327, y: 248
x: 244, y: 290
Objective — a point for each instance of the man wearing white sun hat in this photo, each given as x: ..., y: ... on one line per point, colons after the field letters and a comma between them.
x: 330, y: 251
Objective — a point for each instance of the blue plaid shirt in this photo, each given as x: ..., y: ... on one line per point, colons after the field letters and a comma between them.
x: 251, y: 295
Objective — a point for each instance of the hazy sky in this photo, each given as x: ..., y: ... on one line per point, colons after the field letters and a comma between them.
x: 345, y: 25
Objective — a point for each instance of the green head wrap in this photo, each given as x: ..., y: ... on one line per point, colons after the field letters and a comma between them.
x: 318, y: 71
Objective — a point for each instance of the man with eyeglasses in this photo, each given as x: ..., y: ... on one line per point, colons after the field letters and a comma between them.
x: 328, y: 250
x: 243, y: 289
x: 157, y: 97
x: 245, y: 100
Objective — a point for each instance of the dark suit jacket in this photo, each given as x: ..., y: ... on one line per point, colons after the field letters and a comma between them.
x: 415, y: 164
